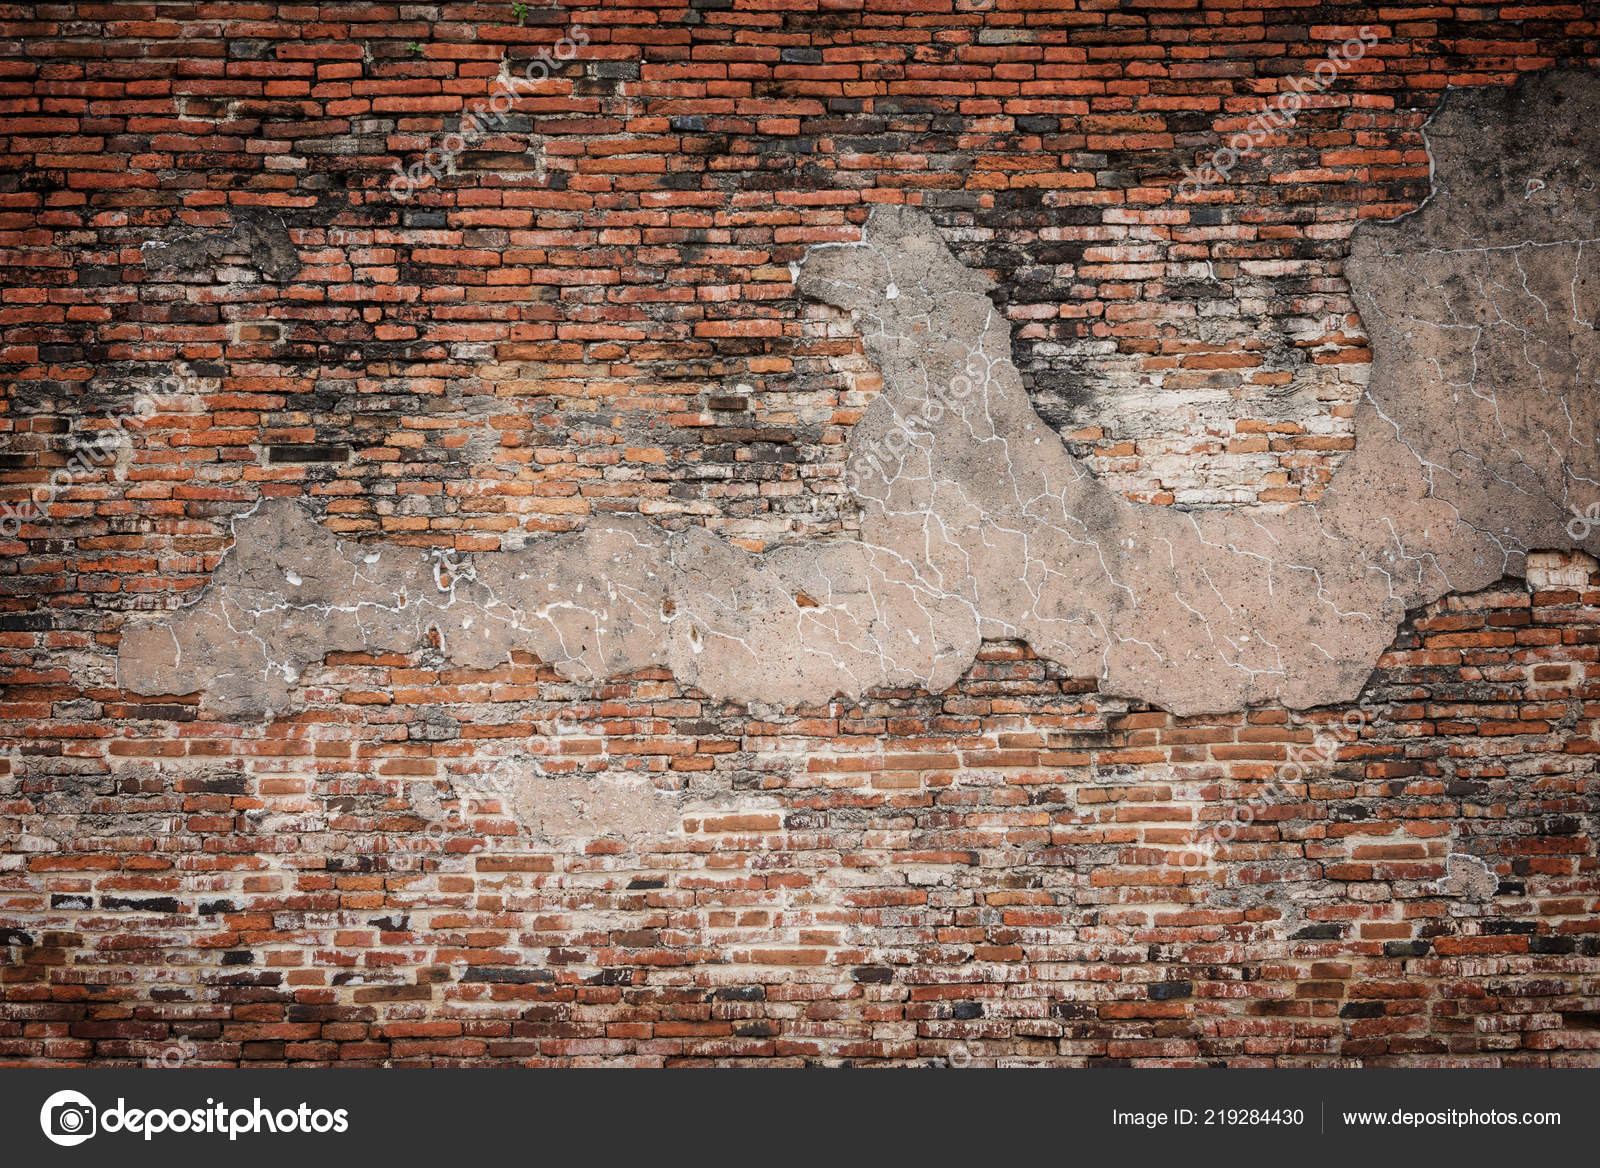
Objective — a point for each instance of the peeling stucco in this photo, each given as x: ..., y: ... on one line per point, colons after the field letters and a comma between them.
x: 1475, y: 445
x: 257, y: 240
x: 1467, y: 877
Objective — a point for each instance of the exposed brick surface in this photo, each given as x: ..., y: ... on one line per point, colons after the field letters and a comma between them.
x: 593, y: 311
x: 1008, y: 867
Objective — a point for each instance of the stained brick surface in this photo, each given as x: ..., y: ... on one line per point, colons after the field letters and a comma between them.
x: 592, y: 311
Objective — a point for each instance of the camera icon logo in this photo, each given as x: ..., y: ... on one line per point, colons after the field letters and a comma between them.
x: 68, y: 1118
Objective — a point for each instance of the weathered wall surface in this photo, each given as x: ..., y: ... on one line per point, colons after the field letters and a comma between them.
x: 410, y: 778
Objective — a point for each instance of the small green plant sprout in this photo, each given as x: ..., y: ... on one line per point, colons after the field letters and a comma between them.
x: 520, y: 11
x: 414, y: 49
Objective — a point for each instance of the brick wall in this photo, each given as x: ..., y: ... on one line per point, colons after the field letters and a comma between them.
x: 592, y: 310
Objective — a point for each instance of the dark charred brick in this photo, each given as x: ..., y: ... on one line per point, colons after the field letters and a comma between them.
x: 308, y: 452
x: 1164, y: 990
x: 152, y: 904
x: 507, y: 975
x: 1362, y: 1010
x: 1325, y: 932
x: 1406, y: 948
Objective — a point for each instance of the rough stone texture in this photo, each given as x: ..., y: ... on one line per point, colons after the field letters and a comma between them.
x: 258, y: 241
x: 978, y: 523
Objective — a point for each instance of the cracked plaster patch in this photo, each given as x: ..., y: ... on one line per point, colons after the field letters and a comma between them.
x: 1475, y: 442
x: 1467, y: 877
x: 568, y: 809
